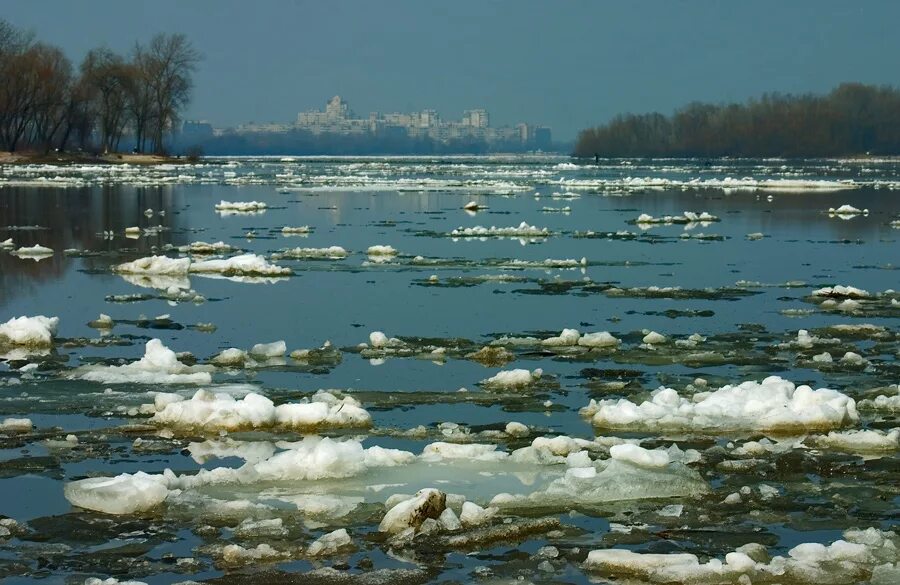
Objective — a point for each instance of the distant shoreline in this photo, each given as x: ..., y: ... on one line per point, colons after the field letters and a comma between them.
x: 27, y: 158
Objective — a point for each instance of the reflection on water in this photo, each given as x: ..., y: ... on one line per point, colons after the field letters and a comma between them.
x: 76, y: 219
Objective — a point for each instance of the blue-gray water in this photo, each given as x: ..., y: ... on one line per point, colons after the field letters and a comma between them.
x: 745, y: 295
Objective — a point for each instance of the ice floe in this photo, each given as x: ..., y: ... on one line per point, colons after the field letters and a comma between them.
x: 242, y: 265
x: 521, y: 230
x: 859, y: 557
x: 35, y: 252
x: 37, y: 331
x: 381, y: 251
x: 686, y: 217
x: 159, y: 365
x: 208, y: 412
x: 631, y: 473
x: 16, y: 425
x: 313, y: 458
x: 240, y: 207
x: 518, y: 378
x: 331, y: 252
x: 774, y: 404
x: 846, y: 211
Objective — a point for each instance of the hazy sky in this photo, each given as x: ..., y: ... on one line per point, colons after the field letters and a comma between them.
x: 566, y: 64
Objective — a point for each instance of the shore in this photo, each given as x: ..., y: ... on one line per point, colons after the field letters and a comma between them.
x: 24, y: 158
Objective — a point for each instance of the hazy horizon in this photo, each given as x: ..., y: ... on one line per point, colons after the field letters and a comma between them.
x: 567, y: 66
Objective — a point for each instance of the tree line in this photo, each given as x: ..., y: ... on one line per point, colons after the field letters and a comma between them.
x: 46, y: 103
x: 852, y: 119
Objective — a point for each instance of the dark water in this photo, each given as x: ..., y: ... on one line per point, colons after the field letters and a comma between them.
x: 745, y: 295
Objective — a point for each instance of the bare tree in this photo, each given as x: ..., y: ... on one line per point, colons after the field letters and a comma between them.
x: 42, y: 103
x: 53, y: 73
x: 141, y: 102
x: 108, y: 77
x: 170, y: 61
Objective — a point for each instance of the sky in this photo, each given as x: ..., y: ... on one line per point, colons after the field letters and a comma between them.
x: 566, y: 64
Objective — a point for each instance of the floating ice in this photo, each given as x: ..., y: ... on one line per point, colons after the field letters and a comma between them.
x: 16, y: 425
x: 567, y: 337
x: 381, y: 251
x: 886, y: 402
x: 632, y: 473
x: 122, y: 494
x: 522, y: 230
x: 473, y: 515
x: 37, y: 331
x: 860, y: 440
x: 654, y: 338
x: 36, y: 252
x: 726, y: 184
x: 243, y: 265
x: 230, y: 357
x: 158, y: 366
x: 210, y: 412
x: 329, y: 252
x: 379, y: 340
x: 840, y: 291
x: 862, y: 554
x: 156, y: 265
x: 440, y: 451
x: 516, y: 429
x: 7, y: 243
x: 598, y: 339
x: 310, y: 459
x: 846, y: 211
x: 775, y: 405
x: 686, y: 217
x: 269, y: 350
x: 411, y: 513
x: 252, y: 451
x: 226, y: 207
x: 205, y: 248
x: 294, y: 231
x: 111, y: 581
x: 513, y: 378
x: 235, y: 554
x: 330, y: 543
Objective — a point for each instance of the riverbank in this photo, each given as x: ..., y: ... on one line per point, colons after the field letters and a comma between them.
x: 14, y: 158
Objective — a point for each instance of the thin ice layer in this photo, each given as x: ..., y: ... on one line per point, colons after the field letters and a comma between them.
x: 313, y: 458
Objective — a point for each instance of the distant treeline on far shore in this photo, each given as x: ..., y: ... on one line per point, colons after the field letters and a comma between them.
x: 853, y: 119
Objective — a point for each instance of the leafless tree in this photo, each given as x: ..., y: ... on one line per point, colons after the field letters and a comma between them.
x: 141, y: 102
x: 44, y: 105
x: 53, y: 73
x: 169, y: 62
x: 108, y: 76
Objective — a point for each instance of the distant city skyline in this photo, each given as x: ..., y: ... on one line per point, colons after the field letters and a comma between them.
x: 337, y: 118
x: 567, y: 65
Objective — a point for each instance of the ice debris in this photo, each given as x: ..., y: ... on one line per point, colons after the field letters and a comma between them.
x: 774, y: 404
x: 37, y: 331
x: 211, y: 412
x: 513, y: 378
x: 859, y: 557
x: 159, y: 365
